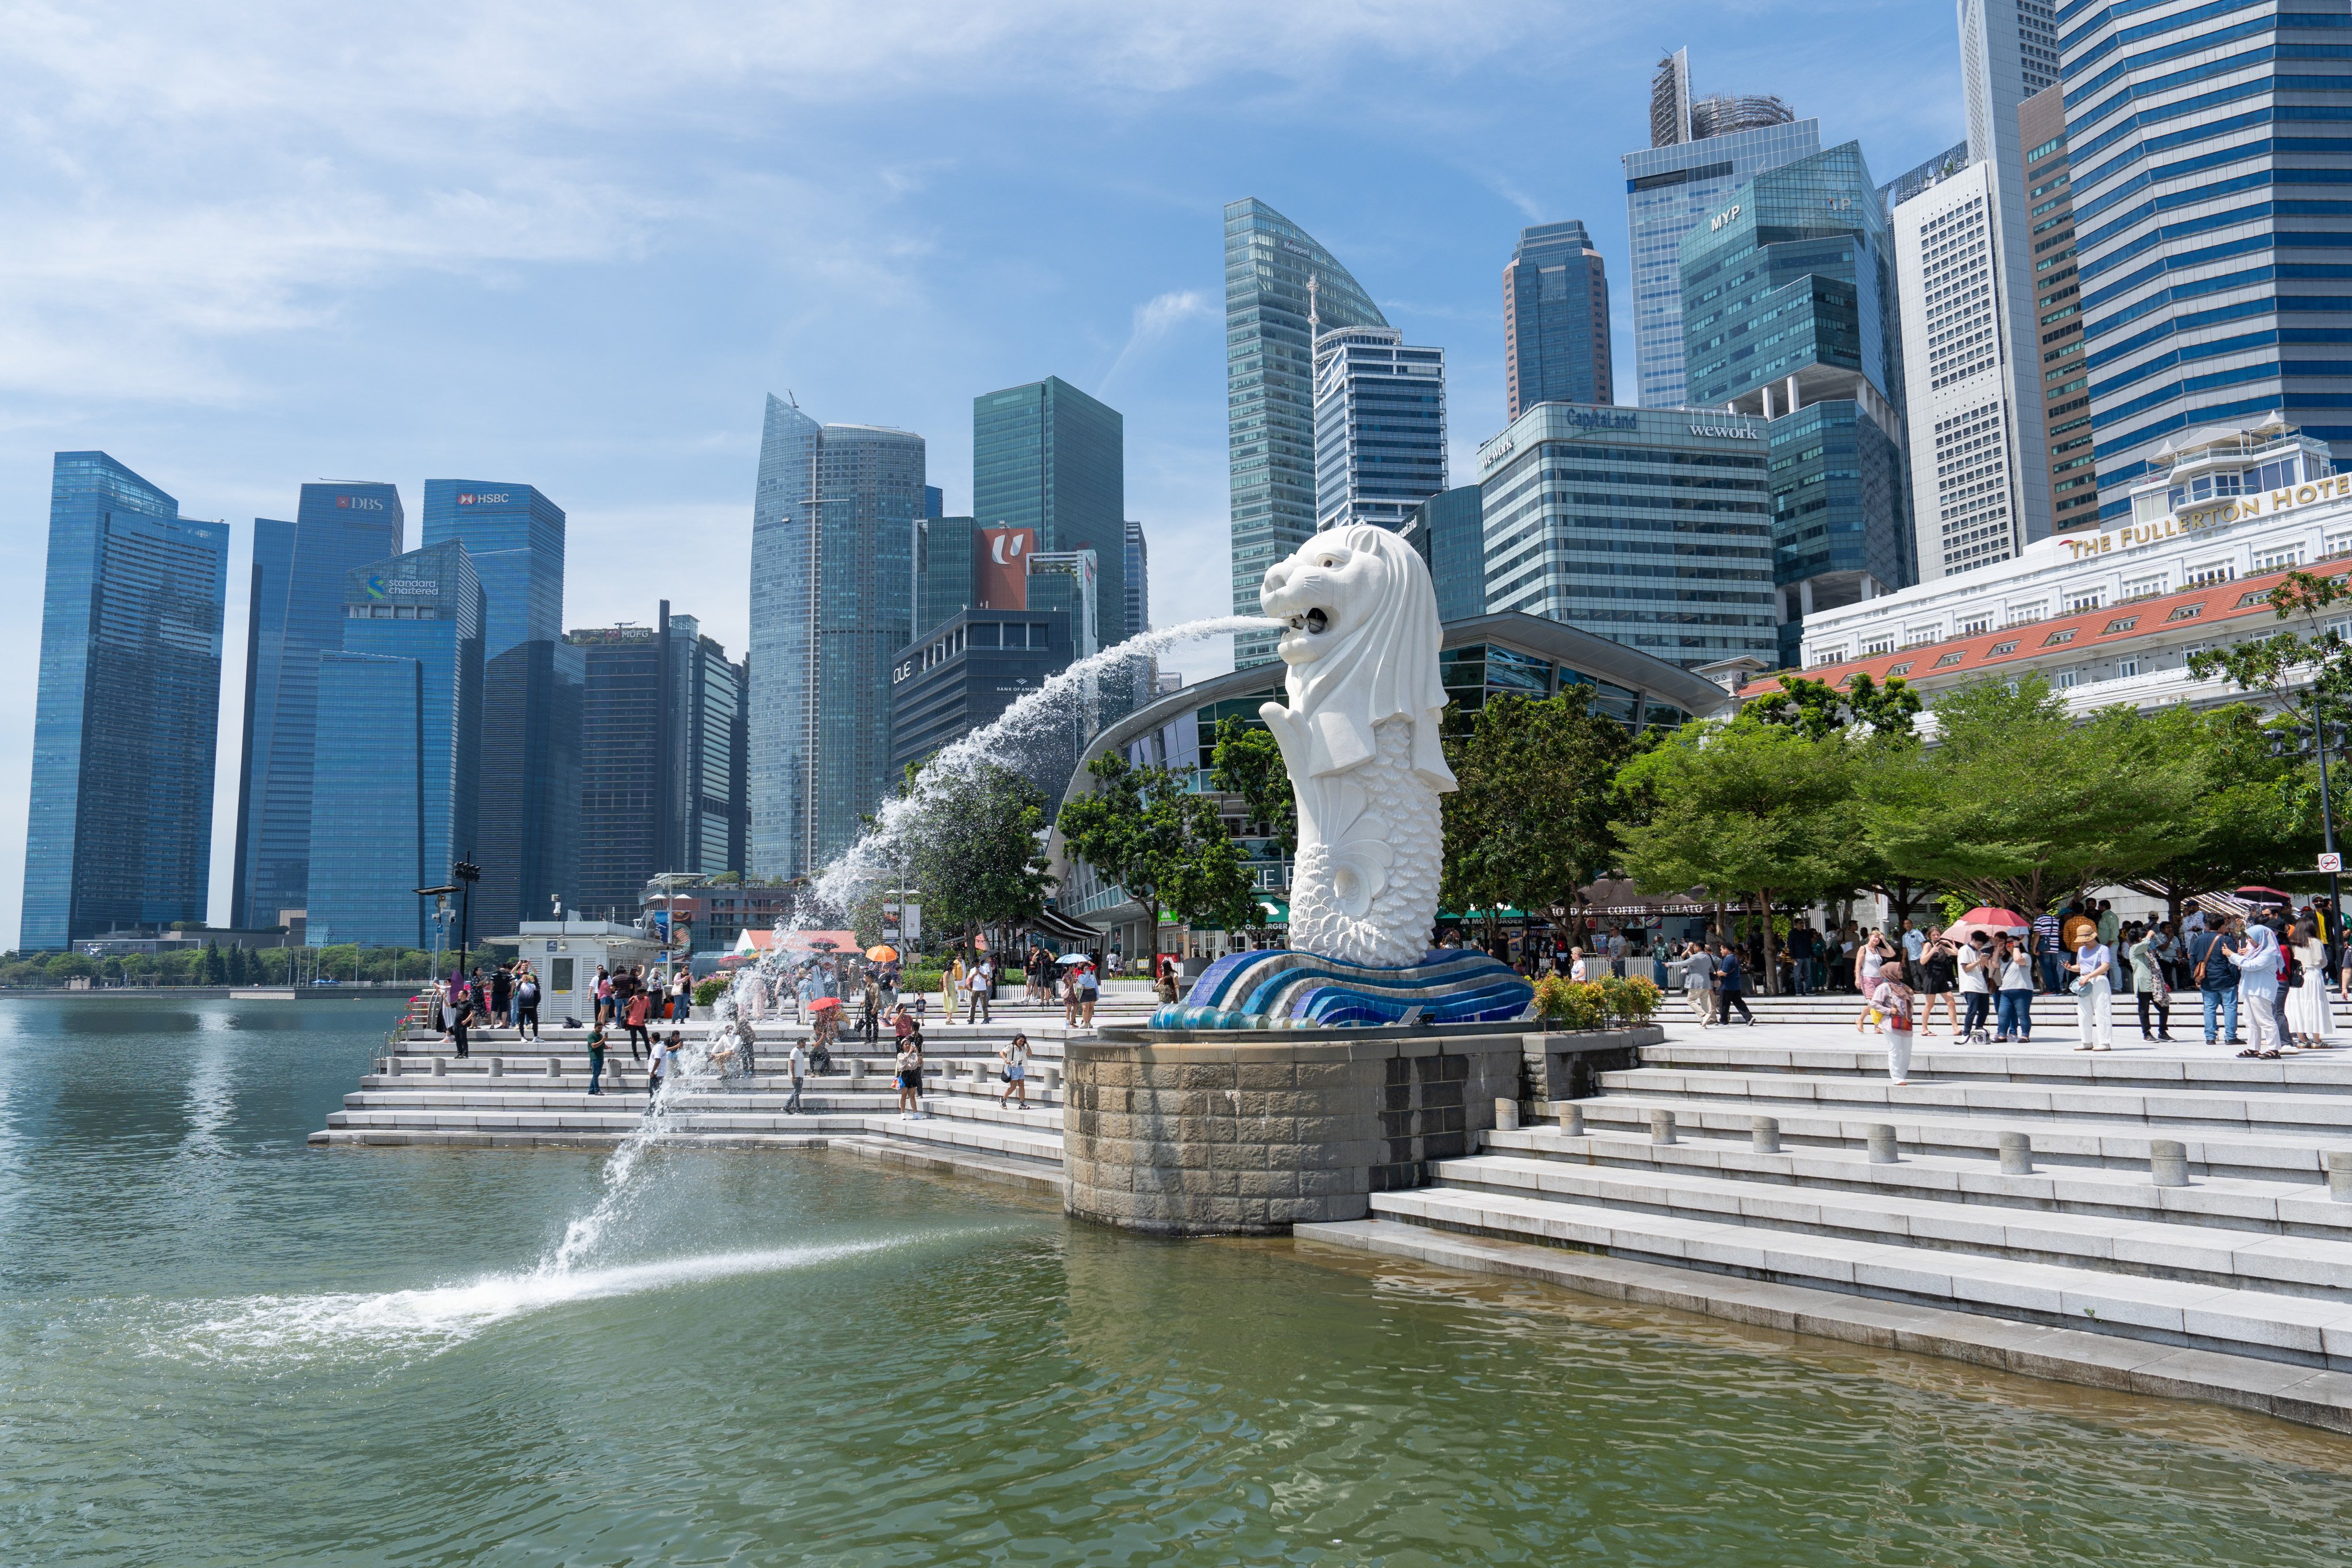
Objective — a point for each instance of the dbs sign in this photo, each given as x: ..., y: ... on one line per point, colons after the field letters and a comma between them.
x: 1004, y: 567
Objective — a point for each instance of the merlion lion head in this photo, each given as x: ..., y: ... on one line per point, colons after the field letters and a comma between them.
x: 1361, y: 636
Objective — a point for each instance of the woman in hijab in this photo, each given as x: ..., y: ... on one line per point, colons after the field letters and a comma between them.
x: 2257, y: 954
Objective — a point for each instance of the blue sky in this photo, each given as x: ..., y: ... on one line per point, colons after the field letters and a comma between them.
x: 249, y: 245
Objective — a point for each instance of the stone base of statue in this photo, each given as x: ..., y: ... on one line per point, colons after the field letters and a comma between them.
x: 1276, y: 988
x: 1174, y: 1133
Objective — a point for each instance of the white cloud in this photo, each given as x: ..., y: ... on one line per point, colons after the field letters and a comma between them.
x: 1154, y: 320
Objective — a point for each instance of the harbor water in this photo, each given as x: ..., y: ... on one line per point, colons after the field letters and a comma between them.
x: 220, y: 1346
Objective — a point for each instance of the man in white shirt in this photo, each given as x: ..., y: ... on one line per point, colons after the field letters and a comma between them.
x: 2093, y: 968
x: 983, y: 975
x: 800, y: 1072
x: 1915, y: 942
x: 1976, y: 981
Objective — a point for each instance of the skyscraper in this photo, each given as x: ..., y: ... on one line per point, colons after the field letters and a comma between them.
x: 2211, y: 251
x: 1138, y: 580
x: 397, y: 766
x: 296, y: 613
x: 1555, y: 320
x: 781, y: 501
x: 2008, y: 51
x: 1691, y: 166
x: 1788, y: 312
x: 1965, y: 450
x: 1045, y: 456
x: 528, y: 812
x: 1379, y: 427
x: 663, y: 782
x: 2064, y: 378
x: 944, y: 570
x: 1270, y: 391
x: 1448, y: 529
x: 126, y: 715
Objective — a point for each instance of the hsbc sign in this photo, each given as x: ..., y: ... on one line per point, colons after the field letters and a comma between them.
x: 482, y: 497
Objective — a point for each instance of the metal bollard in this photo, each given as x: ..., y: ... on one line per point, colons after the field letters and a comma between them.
x: 440, y: 1066
x: 2339, y: 1175
x: 497, y: 1067
x: 2168, y: 1162
x: 1662, y: 1127
x: 2016, y: 1154
x: 1764, y: 1135
x: 1507, y: 1116
x: 1571, y: 1119
x: 1881, y: 1144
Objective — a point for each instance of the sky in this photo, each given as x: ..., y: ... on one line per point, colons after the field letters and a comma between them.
x: 244, y: 246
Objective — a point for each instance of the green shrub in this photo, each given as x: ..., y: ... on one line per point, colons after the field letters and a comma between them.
x: 1595, y: 1004
x: 707, y: 993
x: 1632, y: 1000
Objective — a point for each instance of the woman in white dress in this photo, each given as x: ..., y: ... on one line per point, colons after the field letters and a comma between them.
x: 2310, y: 1013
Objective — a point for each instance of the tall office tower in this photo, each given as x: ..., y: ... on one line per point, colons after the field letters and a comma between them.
x: 1270, y: 391
x: 935, y: 501
x: 296, y: 613
x: 1047, y: 456
x: 662, y: 786
x: 1788, y: 312
x: 128, y: 709
x: 1919, y: 176
x: 1555, y: 320
x: 528, y: 821
x: 780, y: 501
x: 396, y: 770
x: 860, y: 611
x: 1650, y: 527
x: 1138, y: 580
x: 2064, y: 379
x: 944, y: 570
x: 1379, y: 427
x: 1685, y: 174
x: 1447, y: 529
x: 1965, y: 448
x: 2210, y: 303
x: 2008, y: 51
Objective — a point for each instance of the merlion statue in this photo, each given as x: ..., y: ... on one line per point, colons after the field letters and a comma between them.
x: 1361, y: 741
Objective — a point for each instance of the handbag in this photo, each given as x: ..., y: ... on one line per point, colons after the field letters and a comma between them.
x: 2293, y: 972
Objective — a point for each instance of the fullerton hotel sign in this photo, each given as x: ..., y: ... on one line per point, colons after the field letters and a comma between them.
x: 2193, y: 519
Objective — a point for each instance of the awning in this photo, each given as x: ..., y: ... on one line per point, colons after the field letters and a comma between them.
x: 1054, y: 923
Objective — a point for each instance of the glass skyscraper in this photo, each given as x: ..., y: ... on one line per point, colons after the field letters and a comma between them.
x: 1047, y: 456
x: 1788, y: 312
x: 299, y: 572
x: 126, y: 715
x: 944, y: 566
x: 1447, y: 529
x: 1672, y: 186
x: 1555, y: 320
x: 396, y: 768
x: 663, y: 787
x: 1138, y: 580
x: 1270, y: 391
x: 532, y: 683
x: 1649, y: 527
x: 1379, y: 427
x: 781, y: 501
x: 2211, y: 184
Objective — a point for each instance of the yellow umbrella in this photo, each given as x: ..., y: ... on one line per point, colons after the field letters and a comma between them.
x: 882, y: 954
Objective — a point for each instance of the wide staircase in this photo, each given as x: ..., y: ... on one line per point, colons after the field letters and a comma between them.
x: 2152, y: 1217
x: 510, y: 1093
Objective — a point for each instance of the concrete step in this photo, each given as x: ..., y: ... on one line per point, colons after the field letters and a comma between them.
x: 2018, y: 1103
x: 2158, y: 1249
x: 1041, y: 1146
x: 1945, y: 1061
x: 2301, y: 1328
x: 2230, y: 1203
x: 619, y: 1119
x: 2059, y: 1140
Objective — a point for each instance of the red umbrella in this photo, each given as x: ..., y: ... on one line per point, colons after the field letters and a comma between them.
x: 2264, y: 896
x: 1984, y: 917
x: 821, y: 1002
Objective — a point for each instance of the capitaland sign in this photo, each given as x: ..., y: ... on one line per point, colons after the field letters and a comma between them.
x: 2193, y: 519
x: 1597, y: 418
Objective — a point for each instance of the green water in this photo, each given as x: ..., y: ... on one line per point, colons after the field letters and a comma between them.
x: 219, y: 1346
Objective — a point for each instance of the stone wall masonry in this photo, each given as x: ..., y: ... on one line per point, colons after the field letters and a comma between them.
x: 1251, y: 1134
x: 1564, y: 1064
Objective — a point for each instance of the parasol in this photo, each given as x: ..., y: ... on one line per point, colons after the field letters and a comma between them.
x: 1071, y: 958
x: 882, y: 952
x: 1985, y: 917
x: 821, y: 1002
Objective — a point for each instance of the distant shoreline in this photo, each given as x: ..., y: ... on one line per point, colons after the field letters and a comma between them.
x: 372, y: 991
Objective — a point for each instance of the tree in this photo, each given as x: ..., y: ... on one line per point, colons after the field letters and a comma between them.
x: 2021, y: 806
x: 1746, y: 806
x: 975, y: 846
x: 1248, y: 762
x: 1817, y: 709
x: 1142, y: 829
x: 1528, y: 824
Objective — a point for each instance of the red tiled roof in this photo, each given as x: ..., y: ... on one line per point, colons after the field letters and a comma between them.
x: 2214, y: 602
